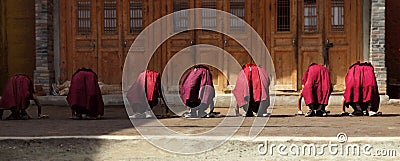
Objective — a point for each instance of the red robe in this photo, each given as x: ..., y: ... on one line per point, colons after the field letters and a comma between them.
x: 353, y: 82
x: 317, y: 85
x: 361, y: 86
x: 370, y: 91
x: 148, y: 81
x: 17, y: 93
x: 197, y: 87
x: 255, y: 77
x: 84, y: 93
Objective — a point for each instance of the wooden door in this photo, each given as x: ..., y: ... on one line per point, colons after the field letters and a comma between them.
x: 97, y: 39
x: 82, y: 43
x: 208, y: 19
x: 132, y: 24
x: 179, y: 23
x: 284, y: 43
x: 342, y: 27
x: 156, y: 10
x: 109, y: 18
x: 301, y: 32
x: 330, y: 27
x: 3, y: 51
x: 241, y: 9
x: 310, y: 34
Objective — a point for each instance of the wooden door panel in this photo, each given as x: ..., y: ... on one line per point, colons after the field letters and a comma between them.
x: 176, y: 44
x: 338, y: 66
x: 241, y: 9
x: 310, y: 56
x: 208, y: 19
x: 111, y: 72
x: 310, y: 34
x: 285, y: 68
x: 175, y: 70
x: 338, y: 32
x: 109, y: 41
x: 312, y: 41
x: 132, y: 23
x: 156, y: 10
x: 83, y: 37
x: 180, y: 41
x: 83, y: 59
x: 283, y: 43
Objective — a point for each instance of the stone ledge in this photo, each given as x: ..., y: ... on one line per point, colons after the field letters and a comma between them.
x: 222, y: 100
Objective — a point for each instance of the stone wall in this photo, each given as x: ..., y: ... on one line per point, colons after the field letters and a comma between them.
x: 44, y: 71
x: 377, y: 43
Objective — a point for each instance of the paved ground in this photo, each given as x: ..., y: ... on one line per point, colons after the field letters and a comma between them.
x: 282, y: 123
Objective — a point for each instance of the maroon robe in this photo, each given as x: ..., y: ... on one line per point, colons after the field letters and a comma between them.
x: 17, y: 93
x: 197, y: 87
x: 317, y: 85
x: 252, y: 85
x: 148, y: 81
x: 84, y: 93
x: 370, y: 91
x: 353, y: 82
x: 361, y: 86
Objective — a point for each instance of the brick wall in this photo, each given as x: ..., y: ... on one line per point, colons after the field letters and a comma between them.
x: 44, y: 71
x: 377, y: 43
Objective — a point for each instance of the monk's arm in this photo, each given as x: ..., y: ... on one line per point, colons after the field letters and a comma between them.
x: 163, y: 99
x: 39, y: 106
x: 299, y: 103
x: 237, y: 110
x: 343, y: 106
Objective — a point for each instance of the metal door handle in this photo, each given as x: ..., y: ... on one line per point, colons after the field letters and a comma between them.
x: 124, y: 43
x: 326, y: 52
x: 294, y: 42
x: 191, y: 42
x: 225, y: 41
x: 328, y: 44
x: 93, y: 44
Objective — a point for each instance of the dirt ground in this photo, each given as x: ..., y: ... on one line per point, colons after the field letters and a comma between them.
x: 283, y: 122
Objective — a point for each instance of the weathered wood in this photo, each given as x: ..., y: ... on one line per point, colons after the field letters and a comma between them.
x: 284, y: 48
x: 3, y: 48
x: 292, y: 51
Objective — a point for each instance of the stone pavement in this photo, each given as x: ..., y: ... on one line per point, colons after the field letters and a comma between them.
x: 283, y: 122
x: 114, y: 138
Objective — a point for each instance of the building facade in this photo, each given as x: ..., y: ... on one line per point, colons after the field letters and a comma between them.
x: 17, y: 39
x: 71, y: 34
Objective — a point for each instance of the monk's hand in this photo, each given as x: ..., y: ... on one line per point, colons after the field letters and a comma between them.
x: 300, y: 113
x: 43, y: 116
x: 238, y: 114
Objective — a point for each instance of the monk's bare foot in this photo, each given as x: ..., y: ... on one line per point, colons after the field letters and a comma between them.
x: 43, y: 117
x: 345, y: 114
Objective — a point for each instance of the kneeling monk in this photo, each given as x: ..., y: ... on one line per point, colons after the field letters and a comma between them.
x: 197, y: 91
x: 252, y: 91
x: 148, y: 82
x: 316, y: 91
x: 84, y: 96
x: 361, y: 90
x: 16, y: 97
